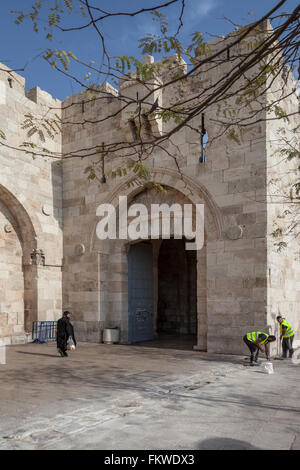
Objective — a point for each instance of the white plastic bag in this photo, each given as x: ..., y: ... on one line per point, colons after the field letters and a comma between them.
x: 70, y: 344
x: 269, y: 367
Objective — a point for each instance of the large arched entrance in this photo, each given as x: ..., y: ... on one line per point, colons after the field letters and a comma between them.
x: 113, y: 259
x: 11, y: 275
x: 18, y: 278
x: 171, y: 271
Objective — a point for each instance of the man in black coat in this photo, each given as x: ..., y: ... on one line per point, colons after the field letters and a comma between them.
x: 64, y: 331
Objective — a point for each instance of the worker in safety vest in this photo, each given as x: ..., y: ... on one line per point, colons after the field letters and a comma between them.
x: 286, y: 335
x: 255, y: 341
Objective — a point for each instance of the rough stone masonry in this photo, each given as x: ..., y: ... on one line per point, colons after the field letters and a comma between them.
x: 51, y: 258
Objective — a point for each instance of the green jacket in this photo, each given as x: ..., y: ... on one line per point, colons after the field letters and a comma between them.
x: 253, y: 337
x: 289, y: 331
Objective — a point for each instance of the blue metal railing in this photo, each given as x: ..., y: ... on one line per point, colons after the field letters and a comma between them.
x: 42, y: 331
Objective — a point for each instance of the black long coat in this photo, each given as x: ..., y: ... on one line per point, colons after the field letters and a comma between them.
x: 64, y: 331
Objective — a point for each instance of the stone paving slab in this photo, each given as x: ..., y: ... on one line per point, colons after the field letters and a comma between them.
x: 129, y: 397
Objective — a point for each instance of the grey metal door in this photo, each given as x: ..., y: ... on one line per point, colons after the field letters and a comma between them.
x: 140, y: 293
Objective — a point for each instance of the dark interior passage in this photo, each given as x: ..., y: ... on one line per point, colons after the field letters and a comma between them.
x: 177, y: 289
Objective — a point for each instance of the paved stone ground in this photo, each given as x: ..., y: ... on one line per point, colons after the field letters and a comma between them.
x: 130, y: 397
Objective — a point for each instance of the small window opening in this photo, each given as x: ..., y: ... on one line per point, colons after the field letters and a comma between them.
x: 204, y: 139
x: 134, y: 130
x: 10, y: 82
x: 82, y: 106
x: 228, y: 53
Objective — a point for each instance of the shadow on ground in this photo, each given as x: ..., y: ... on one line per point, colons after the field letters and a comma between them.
x: 222, y: 443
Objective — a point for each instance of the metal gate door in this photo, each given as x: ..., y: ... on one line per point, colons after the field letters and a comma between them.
x: 140, y: 293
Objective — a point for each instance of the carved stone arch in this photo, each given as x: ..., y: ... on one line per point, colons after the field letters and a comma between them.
x: 29, y: 224
x: 194, y: 191
x: 23, y: 227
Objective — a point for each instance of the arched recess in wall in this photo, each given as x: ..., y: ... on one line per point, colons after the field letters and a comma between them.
x: 112, y: 255
x: 17, y: 228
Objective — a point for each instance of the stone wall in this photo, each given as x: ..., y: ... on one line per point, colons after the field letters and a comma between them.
x: 282, y: 173
x: 31, y: 215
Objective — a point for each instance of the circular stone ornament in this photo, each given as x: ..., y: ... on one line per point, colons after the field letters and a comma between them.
x: 79, y: 249
x: 235, y: 232
x: 8, y: 228
x: 47, y: 210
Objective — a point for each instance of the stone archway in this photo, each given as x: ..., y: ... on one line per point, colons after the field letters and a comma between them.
x: 18, y: 277
x: 113, y: 254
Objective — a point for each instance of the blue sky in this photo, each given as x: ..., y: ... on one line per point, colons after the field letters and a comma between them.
x: 21, y: 46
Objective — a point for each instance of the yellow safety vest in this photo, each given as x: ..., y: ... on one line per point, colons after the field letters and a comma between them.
x: 253, y: 337
x: 289, y: 331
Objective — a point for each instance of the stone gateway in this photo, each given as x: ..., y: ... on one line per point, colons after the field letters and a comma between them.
x: 52, y: 260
